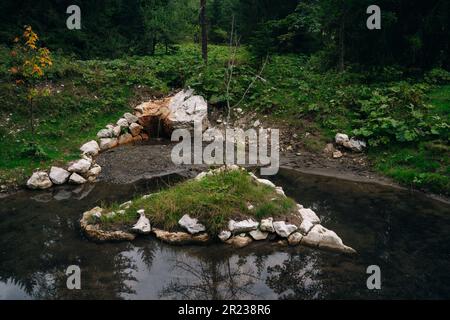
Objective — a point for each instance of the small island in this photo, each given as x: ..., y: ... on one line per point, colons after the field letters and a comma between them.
x: 227, y: 204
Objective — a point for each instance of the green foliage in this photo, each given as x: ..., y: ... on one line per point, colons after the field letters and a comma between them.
x: 437, y: 76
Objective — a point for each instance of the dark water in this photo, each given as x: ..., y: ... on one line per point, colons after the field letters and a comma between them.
x: 406, y: 234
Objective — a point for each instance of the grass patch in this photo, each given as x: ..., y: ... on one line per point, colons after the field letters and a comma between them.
x: 214, y: 200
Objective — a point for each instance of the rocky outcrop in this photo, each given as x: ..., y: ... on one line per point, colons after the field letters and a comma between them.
x: 39, y: 180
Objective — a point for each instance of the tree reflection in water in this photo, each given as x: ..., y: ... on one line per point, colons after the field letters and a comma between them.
x: 296, y: 277
x: 231, y: 277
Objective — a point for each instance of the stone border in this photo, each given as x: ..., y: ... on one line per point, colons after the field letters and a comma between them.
x: 307, y: 231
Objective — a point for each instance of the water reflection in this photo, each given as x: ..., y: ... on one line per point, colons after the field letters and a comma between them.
x: 407, y: 236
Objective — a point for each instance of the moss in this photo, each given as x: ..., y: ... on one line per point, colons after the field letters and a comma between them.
x: 214, y: 200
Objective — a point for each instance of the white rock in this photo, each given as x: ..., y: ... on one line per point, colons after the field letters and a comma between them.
x: 191, y: 224
x: 104, y: 133
x: 306, y: 226
x: 142, y: 226
x: 130, y: 118
x: 283, y: 229
x: 185, y: 109
x: 224, y: 235
x: 116, y: 131
x: 321, y: 237
x: 80, y: 166
x: 122, y: 122
x: 257, y: 123
x: 355, y: 145
x: 75, y: 178
x: 94, y: 171
x: 267, y: 225
x: 135, y: 129
x: 295, y: 238
x: 340, y: 138
x: 126, y: 205
x: 266, y: 182
x: 59, y: 175
x: 108, y: 143
x: 308, y: 214
x: 90, y: 148
x: 242, y: 226
x: 39, y: 180
x: 279, y: 190
x: 201, y: 175
x: 258, y: 235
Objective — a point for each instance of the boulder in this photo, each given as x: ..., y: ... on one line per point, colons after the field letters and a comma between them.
x: 122, y: 122
x: 80, y: 166
x: 108, y: 143
x: 90, y: 148
x: 239, y: 241
x: 131, y: 118
x: 116, y: 131
x: 224, y: 235
x: 142, y: 226
x: 185, y: 109
x: 295, y: 238
x: 352, y: 144
x: 75, y: 178
x: 355, y: 145
x: 39, y: 180
x: 242, y: 226
x: 94, y: 171
x: 267, y: 225
x: 340, y: 138
x: 258, y: 235
x: 125, y: 138
x: 284, y: 229
x: 59, y: 175
x: 323, y: 238
x: 135, y: 129
x: 308, y: 214
x: 104, y: 133
x: 191, y: 224
x: 180, y: 237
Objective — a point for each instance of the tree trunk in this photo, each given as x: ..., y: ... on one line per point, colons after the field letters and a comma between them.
x: 341, y: 65
x: 32, y: 119
x: 204, y: 30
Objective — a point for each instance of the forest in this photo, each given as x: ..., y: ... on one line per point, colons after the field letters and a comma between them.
x: 311, y: 63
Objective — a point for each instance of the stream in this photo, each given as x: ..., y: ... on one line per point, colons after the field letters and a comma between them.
x: 406, y: 234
